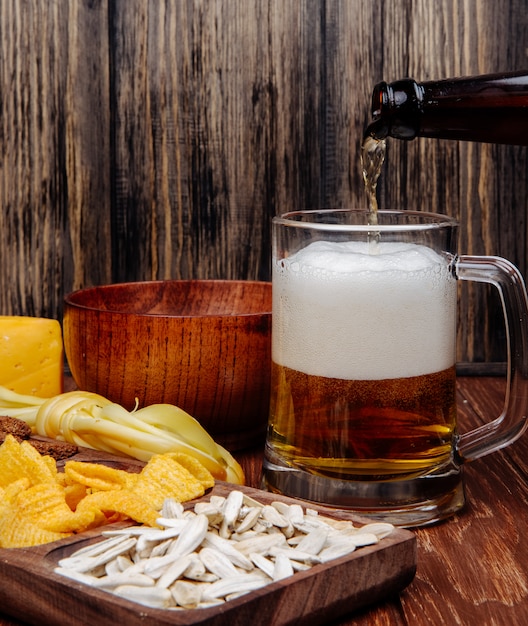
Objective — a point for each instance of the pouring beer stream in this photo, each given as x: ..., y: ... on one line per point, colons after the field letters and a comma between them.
x: 372, y: 157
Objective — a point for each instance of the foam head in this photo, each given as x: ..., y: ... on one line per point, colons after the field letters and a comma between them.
x: 342, y: 312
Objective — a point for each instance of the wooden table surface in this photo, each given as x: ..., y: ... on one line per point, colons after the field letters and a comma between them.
x: 473, y: 568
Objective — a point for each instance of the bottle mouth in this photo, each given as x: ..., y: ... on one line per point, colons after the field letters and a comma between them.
x: 380, y: 99
x: 379, y: 127
x: 396, y: 109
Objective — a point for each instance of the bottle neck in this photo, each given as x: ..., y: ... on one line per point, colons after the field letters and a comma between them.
x: 489, y: 108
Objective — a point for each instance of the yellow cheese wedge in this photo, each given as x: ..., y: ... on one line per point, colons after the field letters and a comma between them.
x: 31, y: 355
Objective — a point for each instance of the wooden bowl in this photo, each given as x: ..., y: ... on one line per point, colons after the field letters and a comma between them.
x: 203, y: 345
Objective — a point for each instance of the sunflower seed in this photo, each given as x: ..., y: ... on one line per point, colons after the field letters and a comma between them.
x: 174, y: 571
x: 336, y: 551
x: 271, y: 515
x: 150, y: 596
x: 217, y: 563
x: 380, y: 529
x: 171, y: 508
x: 217, y: 551
x: 228, y: 548
x: 191, y: 537
x: 236, y: 584
x: 264, y: 564
x: 232, y: 507
x: 116, y: 580
x: 187, y: 595
x: 249, y: 520
x: 314, y: 541
x: 282, y: 568
x: 85, y: 563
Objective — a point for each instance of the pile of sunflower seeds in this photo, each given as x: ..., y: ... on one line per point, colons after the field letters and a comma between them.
x: 220, y: 550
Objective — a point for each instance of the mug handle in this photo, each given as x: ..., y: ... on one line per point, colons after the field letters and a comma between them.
x: 512, y: 422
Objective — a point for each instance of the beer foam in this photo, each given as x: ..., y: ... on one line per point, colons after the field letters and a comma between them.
x: 340, y: 311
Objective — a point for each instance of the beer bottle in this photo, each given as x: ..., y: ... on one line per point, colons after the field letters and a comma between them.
x: 491, y: 108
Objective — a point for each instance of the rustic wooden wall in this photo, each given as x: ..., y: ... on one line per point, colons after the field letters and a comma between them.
x: 155, y: 139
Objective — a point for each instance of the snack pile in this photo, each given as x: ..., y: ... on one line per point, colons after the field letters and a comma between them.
x: 39, y: 504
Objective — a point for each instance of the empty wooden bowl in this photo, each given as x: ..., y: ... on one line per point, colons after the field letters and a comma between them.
x: 203, y: 345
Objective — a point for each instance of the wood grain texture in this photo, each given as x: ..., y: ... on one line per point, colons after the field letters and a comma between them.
x: 54, y: 152
x: 479, y: 572
x: 203, y: 346
x: 151, y: 140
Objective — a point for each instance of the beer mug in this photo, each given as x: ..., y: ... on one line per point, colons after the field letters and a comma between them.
x: 363, y: 401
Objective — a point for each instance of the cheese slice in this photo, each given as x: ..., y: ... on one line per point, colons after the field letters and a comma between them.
x: 31, y: 355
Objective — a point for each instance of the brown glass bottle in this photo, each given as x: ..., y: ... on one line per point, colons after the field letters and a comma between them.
x: 490, y: 108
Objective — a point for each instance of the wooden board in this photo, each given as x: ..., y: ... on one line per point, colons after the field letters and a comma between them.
x: 33, y: 593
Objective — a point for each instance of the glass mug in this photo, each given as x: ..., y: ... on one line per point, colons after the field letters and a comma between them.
x: 363, y: 401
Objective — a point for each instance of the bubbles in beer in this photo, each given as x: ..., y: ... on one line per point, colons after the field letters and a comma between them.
x: 362, y: 429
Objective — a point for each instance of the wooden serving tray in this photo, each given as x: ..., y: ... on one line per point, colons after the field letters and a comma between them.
x: 32, y: 592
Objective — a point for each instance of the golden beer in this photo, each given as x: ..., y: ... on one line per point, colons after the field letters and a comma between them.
x: 362, y: 429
